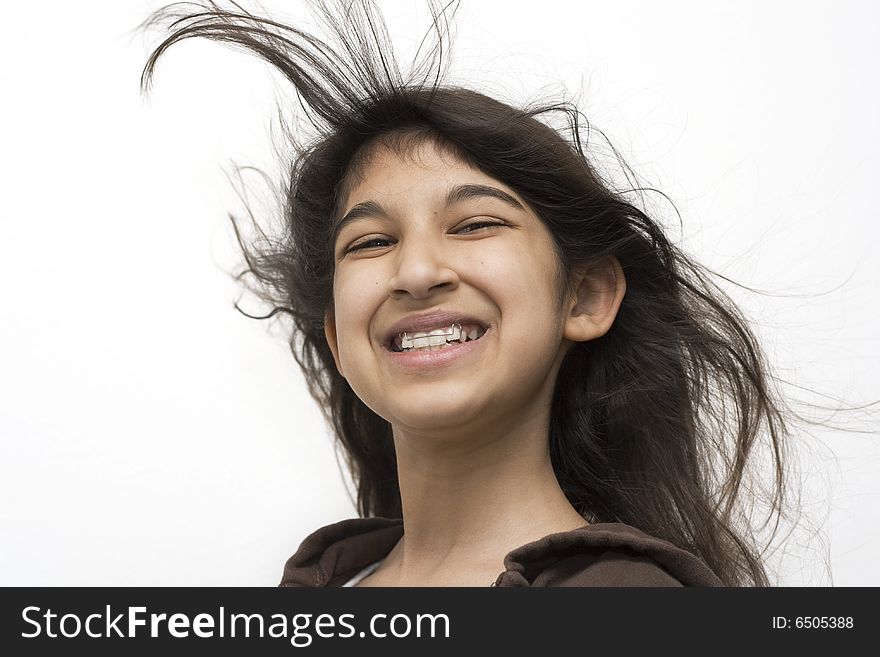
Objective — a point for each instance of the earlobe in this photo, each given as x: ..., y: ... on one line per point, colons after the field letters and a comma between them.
x: 330, y: 335
x: 598, y: 292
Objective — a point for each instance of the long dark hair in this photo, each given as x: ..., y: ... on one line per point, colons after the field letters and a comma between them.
x: 667, y: 422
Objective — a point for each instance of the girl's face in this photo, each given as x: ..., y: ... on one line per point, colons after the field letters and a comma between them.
x: 413, y: 247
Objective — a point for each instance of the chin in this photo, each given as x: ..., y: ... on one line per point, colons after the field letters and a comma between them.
x: 449, y: 417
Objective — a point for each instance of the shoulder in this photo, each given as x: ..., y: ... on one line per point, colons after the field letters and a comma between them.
x: 335, y: 552
x: 605, y: 554
x: 608, y: 568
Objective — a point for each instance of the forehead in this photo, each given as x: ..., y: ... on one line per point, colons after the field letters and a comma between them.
x: 383, y: 170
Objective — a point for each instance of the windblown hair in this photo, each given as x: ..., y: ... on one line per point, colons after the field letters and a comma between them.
x: 668, y: 422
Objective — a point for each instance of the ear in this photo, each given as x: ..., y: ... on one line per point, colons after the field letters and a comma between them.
x: 596, y: 297
x: 330, y: 334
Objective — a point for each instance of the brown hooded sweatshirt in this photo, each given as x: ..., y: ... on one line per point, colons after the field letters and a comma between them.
x: 602, y: 554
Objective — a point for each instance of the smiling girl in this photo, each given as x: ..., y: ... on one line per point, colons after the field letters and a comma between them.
x: 532, y: 385
x: 430, y: 247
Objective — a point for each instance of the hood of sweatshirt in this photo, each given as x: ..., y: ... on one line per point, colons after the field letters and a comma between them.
x: 601, y: 554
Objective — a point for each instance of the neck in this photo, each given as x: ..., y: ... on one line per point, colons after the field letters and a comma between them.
x: 470, y: 499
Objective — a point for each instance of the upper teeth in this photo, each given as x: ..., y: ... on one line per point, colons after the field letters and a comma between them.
x: 437, y: 337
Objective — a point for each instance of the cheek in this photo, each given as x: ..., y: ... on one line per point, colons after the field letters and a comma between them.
x: 355, y: 299
x: 523, y: 284
x: 516, y: 275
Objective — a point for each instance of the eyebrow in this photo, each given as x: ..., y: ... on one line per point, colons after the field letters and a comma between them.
x: 457, y: 194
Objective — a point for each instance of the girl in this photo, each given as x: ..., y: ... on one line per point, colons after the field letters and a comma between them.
x: 532, y: 385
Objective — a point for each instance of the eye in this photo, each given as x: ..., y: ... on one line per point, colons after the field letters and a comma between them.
x: 467, y: 229
x: 477, y: 225
x: 372, y: 243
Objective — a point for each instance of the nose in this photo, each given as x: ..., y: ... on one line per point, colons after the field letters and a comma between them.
x: 422, y: 268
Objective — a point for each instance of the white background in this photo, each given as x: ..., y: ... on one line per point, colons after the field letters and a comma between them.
x: 151, y: 435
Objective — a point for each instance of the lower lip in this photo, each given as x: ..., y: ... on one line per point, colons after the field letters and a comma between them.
x: 421, y: 360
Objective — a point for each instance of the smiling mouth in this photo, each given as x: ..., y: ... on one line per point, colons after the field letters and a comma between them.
x: 436, y: 339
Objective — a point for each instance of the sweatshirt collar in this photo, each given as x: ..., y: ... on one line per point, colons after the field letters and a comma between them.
x: 333, y: 554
